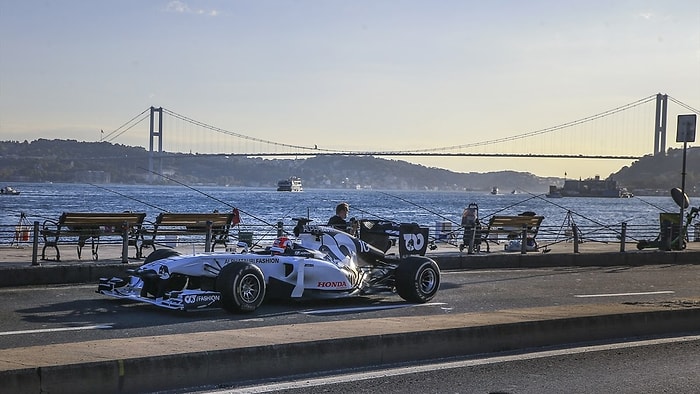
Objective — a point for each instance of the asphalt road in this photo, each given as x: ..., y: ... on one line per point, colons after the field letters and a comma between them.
x: 70, y: 313
x: 654, y: 366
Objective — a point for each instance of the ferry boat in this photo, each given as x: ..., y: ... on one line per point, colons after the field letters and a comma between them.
x: 8, y: 190
x: 553, y: 192
x: 592, y: 187
x: 291, y: 184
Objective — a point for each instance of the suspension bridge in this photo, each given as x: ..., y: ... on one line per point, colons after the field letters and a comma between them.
x: 623, y: 132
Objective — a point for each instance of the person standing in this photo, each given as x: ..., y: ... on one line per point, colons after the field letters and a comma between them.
x: 339, y: 220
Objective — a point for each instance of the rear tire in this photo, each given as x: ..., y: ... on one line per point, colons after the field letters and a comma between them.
x: 242, y: 287
x: 417, y: 279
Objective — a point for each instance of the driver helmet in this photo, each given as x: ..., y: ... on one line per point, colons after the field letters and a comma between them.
x: 280, y: 245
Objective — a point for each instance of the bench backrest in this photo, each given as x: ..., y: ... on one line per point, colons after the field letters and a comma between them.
x: 194, y: 220
x: 515, y: 223
x: 96, y: 219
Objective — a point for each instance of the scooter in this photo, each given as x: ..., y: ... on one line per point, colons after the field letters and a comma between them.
x: 673, y: 236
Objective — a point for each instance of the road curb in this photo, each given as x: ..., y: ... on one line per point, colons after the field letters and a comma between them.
x: 65, y: 273
x: 457, y: 261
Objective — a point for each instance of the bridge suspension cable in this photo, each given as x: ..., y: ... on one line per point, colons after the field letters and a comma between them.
x: 538, y: 132
x: 131, y: 123
x: 242, y: 136
x: 452, y: 150
x: 686, y: 106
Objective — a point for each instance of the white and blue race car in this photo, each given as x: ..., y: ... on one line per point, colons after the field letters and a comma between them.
x: 318, y: 262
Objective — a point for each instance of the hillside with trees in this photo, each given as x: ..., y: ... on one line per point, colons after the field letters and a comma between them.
x: 658, y: 174
x: 102, y: 162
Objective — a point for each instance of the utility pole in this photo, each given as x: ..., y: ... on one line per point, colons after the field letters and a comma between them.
x: 685, y: 132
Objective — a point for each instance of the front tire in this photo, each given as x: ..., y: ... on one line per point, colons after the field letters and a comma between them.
x: 417, y: 279
x: 242, y: 287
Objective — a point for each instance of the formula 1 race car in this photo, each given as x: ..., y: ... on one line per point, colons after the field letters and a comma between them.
x: 319, y: 262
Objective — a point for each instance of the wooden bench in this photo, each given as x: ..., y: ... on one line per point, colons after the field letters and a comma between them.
x: 215, y: 226
x: 522, y: 227
x: 91, y: 226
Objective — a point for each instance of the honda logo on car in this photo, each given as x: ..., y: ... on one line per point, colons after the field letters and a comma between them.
x: 341, y: 284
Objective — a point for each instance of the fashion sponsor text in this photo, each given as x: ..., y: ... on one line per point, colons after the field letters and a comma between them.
x: 192, y: 299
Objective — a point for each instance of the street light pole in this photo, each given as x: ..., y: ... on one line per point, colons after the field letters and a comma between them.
x: 681, y: 235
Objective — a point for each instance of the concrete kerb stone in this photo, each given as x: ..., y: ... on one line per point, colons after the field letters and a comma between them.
x: 164, y: 372
x: 457, y: 261
x: 61, y: 273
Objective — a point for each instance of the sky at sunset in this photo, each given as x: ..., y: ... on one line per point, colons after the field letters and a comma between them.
x: 349, y: 75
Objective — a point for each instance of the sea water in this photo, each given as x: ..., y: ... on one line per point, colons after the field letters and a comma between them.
x: 266, y: 207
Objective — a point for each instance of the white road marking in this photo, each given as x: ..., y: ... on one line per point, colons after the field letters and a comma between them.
x: 36, y: 288
x: 623, y: 294
x: 44, y: 330
x: 367, y: 308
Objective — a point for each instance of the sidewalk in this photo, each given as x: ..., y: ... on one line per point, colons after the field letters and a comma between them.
x: 16, y: 267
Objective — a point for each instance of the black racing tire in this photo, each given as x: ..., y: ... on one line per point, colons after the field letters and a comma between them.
x: 417, y: 279
x: 160, y: 254
x: 242, y: 287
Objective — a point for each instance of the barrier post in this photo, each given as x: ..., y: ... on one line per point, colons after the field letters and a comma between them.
x: 574, y: 228
x: 523, y: 242
x: 125, y: 242
x: 669, y: 237
x: 35, y: 244
x: 470, y: 249
x: 207, y: 241
x: 623, y: 235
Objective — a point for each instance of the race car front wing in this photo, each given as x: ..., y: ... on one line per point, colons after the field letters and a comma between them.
x: 184, y: 300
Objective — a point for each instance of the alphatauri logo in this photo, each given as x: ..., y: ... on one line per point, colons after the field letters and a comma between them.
x: 414, y: 242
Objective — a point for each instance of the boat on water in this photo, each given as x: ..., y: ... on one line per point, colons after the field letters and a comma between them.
x: 553, y: 192
x: 494, y: 190
x: 8, y: 190
x: 592, y: 187
x: 291, y: 184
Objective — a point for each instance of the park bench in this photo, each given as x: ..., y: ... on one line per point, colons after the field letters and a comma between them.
x: 92, y: 226
x: 522, y: 229
x: 215, y: 226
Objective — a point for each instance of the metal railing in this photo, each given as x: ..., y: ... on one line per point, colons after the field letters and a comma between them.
x: 26, y: 235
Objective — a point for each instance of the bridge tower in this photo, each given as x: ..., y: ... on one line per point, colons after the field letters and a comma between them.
x: 156, y: 131
x: 660, y: 124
